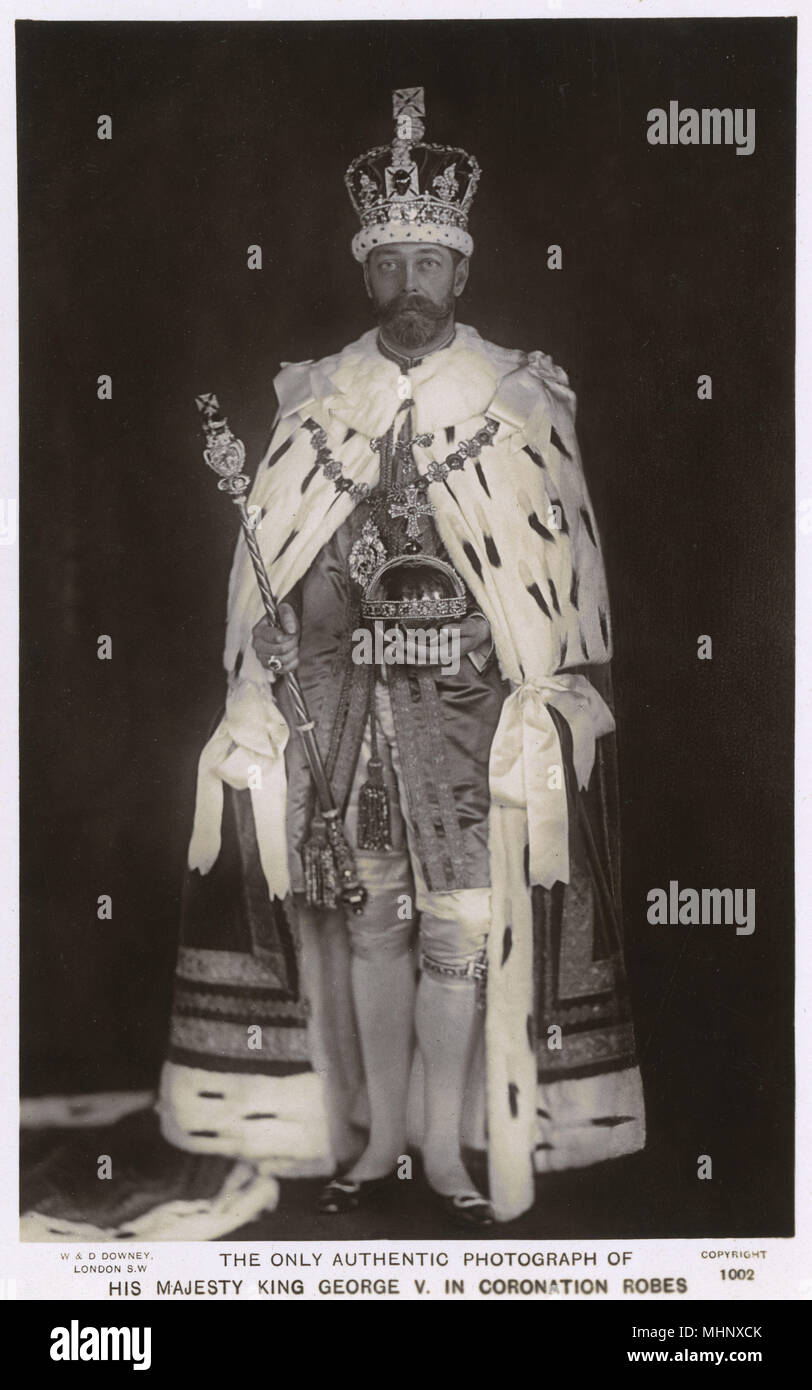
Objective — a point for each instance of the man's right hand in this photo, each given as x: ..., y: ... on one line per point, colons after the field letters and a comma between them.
x: 283, y: 643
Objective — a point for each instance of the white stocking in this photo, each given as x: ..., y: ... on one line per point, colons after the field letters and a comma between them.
x: 383, y: 991
x: 447, y: 1027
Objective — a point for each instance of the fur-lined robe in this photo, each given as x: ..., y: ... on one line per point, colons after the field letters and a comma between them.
x: 559, y: 1084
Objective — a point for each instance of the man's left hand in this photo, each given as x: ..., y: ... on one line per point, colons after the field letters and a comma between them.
x: 474, y: 630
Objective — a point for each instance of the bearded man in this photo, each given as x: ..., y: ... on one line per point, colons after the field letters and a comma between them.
x: 477, y: 793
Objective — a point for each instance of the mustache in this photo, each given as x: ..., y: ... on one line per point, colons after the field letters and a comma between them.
x: 412, y: 303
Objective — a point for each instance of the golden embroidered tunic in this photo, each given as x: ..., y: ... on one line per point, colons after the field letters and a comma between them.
x: 444, y: 720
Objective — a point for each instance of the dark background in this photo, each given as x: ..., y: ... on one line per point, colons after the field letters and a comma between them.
x: 677, y: 261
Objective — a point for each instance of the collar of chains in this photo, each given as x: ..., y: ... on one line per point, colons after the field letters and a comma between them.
x: 397, y: 452
x: 391, y: 505
x: 439, y: 469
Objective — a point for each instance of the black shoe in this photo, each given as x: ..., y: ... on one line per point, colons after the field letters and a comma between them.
x: 344, y: 1194
x: 467, y: 1208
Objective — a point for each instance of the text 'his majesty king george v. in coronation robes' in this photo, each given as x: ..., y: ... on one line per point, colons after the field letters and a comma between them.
x: 507, y: 770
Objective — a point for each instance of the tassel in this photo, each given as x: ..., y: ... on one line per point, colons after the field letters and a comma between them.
x: 374, y: 827
x: 321, y: 886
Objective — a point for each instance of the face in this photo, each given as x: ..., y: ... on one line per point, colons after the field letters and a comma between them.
x: 413, y: 289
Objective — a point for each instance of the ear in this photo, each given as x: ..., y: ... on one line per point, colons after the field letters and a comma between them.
x: 461, y: 275
x: 366, y: 278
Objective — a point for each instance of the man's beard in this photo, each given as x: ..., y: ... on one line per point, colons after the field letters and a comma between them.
x: 411, y: 320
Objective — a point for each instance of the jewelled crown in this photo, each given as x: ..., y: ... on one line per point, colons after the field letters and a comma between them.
x: 409, y: 190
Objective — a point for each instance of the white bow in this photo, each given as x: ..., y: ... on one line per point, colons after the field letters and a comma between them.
x: 526, y: 764
x: 246, y: 751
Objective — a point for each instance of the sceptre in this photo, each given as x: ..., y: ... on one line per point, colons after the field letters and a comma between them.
x: 329, y: 866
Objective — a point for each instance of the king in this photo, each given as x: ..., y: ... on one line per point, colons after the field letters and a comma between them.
x: 477, y: 1012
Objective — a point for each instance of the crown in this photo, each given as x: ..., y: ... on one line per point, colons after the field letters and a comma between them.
x: 409, y: 190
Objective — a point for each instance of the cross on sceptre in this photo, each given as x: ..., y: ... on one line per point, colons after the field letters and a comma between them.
x: 412, y: 508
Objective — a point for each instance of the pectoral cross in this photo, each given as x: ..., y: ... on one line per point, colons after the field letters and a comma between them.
x: 414, y: 505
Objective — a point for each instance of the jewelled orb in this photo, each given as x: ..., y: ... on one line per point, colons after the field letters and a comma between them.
x: 415, y: 587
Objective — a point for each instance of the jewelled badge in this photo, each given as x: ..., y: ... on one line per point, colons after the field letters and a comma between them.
x: 367, y: 554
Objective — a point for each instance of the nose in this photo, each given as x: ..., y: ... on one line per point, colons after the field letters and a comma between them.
x: 409, y: 276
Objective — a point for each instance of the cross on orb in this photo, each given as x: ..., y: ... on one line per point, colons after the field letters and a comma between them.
x: 412, y: 507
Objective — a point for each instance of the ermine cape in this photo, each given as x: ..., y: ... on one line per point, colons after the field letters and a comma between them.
x: 559, y: 1083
